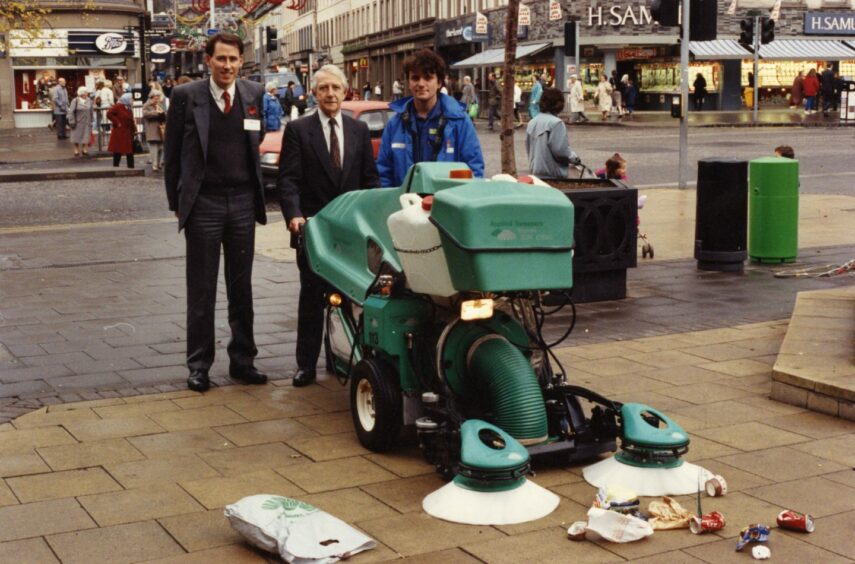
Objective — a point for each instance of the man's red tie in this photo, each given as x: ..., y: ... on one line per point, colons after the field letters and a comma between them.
x: 228, y: 100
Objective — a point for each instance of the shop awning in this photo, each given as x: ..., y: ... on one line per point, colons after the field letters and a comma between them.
x: 850, y: 44
x: 718, y: 49
x: 806, y: 50
x: 494, y: 57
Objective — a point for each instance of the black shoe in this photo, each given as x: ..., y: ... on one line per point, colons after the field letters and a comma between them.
x: 247, y: 374
x: 304, y: 377
x: 198, y: 380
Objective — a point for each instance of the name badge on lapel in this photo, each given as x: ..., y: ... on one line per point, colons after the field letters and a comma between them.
x: 252, y: 125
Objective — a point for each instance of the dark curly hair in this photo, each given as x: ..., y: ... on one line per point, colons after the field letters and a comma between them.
x: 425, y: 62
x: 223, y: 37
x: 552, y: 101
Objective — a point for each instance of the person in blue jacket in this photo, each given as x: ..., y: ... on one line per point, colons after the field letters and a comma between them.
x: 427, y: 126
x: 272, y: 108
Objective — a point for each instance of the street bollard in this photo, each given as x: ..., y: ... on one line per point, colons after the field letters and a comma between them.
x: 773, y: 210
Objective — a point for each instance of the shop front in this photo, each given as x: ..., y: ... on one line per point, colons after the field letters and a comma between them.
x: 81, y: 57
x: 458, y: 39
x: 781, y: 61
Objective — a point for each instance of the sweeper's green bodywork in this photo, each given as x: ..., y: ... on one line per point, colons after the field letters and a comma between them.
x: 414, y: 360
x: 497, y: 236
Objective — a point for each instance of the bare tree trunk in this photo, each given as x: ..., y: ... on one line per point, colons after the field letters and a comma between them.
x: 509, y: 159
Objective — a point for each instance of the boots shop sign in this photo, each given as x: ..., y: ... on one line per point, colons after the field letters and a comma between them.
x: 618, y: 15
x: 111, y: 43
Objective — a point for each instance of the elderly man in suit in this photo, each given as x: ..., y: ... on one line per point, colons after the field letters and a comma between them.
x: 213, y: 183
x: 59, y: 97
x: 323, y: 155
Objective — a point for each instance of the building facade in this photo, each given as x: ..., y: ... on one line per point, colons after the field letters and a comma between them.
x: 80, y: 46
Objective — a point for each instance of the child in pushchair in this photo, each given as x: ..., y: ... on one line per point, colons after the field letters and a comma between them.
x: 616, y: 168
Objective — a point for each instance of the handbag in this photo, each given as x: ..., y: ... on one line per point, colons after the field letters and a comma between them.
x: 473, y: 110
x: 161, y: 128
x: 138, y: 148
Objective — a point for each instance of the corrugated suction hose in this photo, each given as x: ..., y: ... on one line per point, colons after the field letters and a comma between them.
x: 505, y: 377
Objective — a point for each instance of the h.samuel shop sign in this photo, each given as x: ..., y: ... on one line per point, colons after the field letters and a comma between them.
x: 829, y: 23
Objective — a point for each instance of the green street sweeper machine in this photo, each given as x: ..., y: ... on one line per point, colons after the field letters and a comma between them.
x: 436, y: 319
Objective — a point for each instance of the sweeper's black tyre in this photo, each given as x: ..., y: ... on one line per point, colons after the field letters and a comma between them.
x: 375, y: 404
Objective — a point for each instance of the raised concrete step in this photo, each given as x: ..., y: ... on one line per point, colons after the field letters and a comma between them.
x: 815, y: 368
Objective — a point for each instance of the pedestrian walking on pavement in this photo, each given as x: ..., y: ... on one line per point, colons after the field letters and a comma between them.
x: 366, y: 91
x: 378, y: 90
x: 546, y: 141
x: 700, y: 86
x: 397, y: 90
x: 107, y: 100
x: 534, y: 97
x: 469, y: 97
x: 603, y: 96
x: 630, y: 95
x: 494, y: 101
x: 124, y: 129
x: 797, y: 91
x: 811, y: 90
x: 518, y: 104
x: 80, y: 117
x: 577, y: 100
x: 59, y: 99
x: 154, y: 120
x: 273, y: 111
x: 617, y: 94
x: 214, y: 185
x: 324, y: 155
x: 118, y: 87
x: 826, y: 83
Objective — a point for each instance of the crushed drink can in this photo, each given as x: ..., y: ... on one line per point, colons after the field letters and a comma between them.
x: 716, y: 486
x: 752, y: 533
x: 789, y: 519
x: 707, y: 523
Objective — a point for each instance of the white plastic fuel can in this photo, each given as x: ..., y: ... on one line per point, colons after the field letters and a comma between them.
x: 419, y: 247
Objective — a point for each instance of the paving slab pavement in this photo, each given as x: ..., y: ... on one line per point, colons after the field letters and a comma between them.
x: 145, y: 478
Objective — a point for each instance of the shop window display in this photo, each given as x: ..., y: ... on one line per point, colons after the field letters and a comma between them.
x: 776, y: 77
x: 665, y: 77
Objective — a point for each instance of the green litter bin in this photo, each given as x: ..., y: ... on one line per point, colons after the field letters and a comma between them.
x: 773, y: 209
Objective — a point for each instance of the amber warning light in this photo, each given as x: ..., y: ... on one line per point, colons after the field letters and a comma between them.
x: 462, y: 173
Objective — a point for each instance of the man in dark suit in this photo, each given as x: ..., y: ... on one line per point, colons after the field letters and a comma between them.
x: 212, y: 173
x: 323, y: 155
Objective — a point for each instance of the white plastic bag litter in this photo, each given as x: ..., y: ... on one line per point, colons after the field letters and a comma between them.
x: 299, y: 532
x: 617, y: 527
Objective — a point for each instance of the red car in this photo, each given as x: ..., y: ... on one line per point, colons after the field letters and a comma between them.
x: 374, y: 114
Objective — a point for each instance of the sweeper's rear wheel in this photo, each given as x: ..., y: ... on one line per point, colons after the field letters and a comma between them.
x: 375, y: 404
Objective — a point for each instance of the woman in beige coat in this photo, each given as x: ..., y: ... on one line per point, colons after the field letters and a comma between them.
x: 577, y: 100
x: 154, y: 117
x: 80, y: 120
x: 604, y: 96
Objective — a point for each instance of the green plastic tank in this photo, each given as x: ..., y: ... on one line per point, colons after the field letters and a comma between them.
x: 504, y: 236
x: 773, y: 209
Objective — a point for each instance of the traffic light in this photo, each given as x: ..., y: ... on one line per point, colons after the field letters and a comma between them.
x: 272, y: 45
x: 767, y: 30
x: 665, y: 12
x: 747, y: 36
x: 704, y: 20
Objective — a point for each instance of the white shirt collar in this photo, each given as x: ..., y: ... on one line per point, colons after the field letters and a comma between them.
x: 217, y: 92
x: 325, y: 118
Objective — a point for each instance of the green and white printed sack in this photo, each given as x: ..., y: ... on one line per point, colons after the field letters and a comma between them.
x: 299, y: 532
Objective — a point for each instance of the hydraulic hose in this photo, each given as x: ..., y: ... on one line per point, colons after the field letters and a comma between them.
x: 509, y: 384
